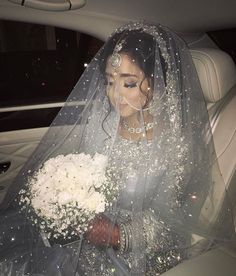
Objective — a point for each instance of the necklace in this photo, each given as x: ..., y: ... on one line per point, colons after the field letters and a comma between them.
x: 137, y: 130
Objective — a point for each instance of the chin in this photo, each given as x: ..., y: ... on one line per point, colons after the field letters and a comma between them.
x: 126, y: 113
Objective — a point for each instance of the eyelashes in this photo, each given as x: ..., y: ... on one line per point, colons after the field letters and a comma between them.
x: 126, y: 85
x: 130, y: 85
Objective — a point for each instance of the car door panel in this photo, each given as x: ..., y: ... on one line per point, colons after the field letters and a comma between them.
x: 15, y: 148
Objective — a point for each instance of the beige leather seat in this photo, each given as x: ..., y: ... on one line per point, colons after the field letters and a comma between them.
x: 217, y: 75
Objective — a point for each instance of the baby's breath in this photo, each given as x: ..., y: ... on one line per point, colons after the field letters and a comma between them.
x: 67, y: 192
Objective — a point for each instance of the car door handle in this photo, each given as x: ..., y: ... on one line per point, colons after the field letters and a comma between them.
x: 4, y: 166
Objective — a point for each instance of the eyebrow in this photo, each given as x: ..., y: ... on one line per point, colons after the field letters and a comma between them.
x: 123, y: 75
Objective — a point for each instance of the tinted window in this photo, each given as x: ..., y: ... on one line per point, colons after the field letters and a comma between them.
x: 226, y: 40
x: 39, y: 65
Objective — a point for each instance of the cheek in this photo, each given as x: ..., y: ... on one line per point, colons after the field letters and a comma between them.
x: 136, y: 97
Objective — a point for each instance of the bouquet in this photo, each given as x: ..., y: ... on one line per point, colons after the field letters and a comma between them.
x: 66, y: 193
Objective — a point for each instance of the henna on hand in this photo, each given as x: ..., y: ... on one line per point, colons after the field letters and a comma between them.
x: 102, y: 232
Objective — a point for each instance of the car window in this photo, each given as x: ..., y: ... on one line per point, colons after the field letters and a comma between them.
x: 39, y: 66
x: 225, y: 40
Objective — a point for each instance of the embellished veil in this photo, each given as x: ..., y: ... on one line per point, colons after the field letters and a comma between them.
x: 163, y: 163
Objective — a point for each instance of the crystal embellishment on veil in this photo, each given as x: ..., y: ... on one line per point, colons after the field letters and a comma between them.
x: 143, y: 198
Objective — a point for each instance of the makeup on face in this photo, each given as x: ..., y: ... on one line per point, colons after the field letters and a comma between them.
x: 126, y: 86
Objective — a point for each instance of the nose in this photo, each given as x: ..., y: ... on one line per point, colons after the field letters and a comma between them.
x: 115, y: 91
x: 119, y: 93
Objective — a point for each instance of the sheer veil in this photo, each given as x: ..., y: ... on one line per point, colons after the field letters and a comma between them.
x: 167, y: 207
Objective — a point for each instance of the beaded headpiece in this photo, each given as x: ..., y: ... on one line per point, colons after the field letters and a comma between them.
x: 116, y: 57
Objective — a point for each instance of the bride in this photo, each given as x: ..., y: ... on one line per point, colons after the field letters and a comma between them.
x: 146, y: 113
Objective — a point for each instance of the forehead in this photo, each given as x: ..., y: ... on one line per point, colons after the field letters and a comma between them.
x: 127, y: 66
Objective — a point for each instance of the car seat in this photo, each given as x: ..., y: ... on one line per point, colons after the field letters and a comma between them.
x: 217, y: 75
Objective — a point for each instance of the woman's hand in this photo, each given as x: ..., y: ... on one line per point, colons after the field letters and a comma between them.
x: 102, y: 232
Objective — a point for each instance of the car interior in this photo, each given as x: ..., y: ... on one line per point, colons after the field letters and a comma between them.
x: 199, y: 23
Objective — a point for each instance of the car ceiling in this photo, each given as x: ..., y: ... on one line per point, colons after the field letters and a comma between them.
x: 100, y: 17
x: 182, y: 15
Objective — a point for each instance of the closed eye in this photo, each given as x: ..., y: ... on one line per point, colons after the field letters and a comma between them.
x: 130, y: 85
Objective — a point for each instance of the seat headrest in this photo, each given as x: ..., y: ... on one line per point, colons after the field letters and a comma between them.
x: 216, y: 71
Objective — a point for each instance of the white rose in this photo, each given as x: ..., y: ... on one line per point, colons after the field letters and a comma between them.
x: 95, y: 203
x: 64, y: 198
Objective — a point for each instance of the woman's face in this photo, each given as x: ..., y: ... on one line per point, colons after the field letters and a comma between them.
x: 127, y: 86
